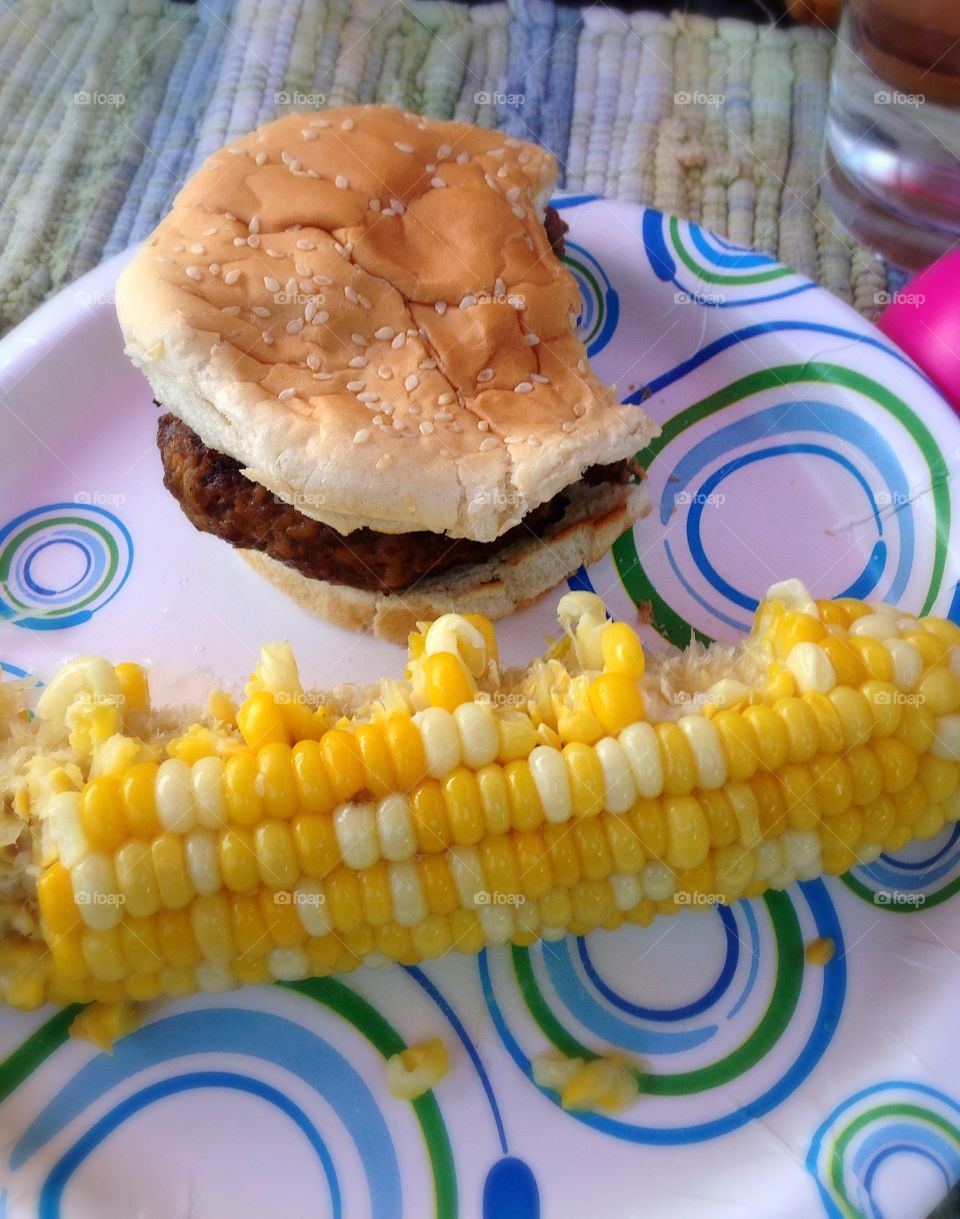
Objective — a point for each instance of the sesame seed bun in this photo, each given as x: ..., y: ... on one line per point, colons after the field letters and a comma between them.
x: 515, y: 577
x: 362, y: 307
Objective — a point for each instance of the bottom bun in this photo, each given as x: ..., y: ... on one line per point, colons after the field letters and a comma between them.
x: 520, y: 575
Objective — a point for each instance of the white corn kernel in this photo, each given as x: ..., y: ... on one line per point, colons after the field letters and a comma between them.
x: 468, y: 875
x: 441, y: 742
x: 479, y: 739
x: 214, y: 977
x: 406, y: 893
x: 96, y: 892
x: 203, y: 861
x: 355, y: 827
x: 704, y: 741
x: 552, y: 783
x: 288, y: 964
x: 619, y: 792
x: 174, y: 797
x: 907, y: 663
x: 627, y: 891
x: 63, y: 818
x: 795, y: 596
x: 87, y: 677
x: 659, y: 882
x: 416, y: 1070
x: 946, y: 738
x: 811, y: 668
x: 398, y: 838
x: 727, y: 692
x: 768, y: 859
x: 497, y: 923
x: 876, y: 626
x: 639, y: 743
x: 206, y: 778
x: 310, y: 902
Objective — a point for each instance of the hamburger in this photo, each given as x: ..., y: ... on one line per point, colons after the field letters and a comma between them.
x: 363, y: 341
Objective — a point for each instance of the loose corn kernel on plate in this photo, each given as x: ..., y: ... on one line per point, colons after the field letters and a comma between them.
x: 787, y: 1054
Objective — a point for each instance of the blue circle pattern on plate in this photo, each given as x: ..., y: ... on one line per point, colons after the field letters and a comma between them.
x: 101, y: 541
x: 578, y: 990
x: 713, y: 272
x: 922, y: 875
x: 264, y: 1037
x: 891, y: 1118
x: 600, y: 309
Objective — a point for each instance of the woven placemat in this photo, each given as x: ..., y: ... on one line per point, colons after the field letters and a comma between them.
x: 106, y: 107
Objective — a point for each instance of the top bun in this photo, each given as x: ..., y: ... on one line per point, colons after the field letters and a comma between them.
x: 363, y: 308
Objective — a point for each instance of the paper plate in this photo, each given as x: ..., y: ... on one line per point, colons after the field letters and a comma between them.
x: 796, y: 442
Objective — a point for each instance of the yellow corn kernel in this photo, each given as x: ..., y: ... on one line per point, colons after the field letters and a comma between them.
x: 795, y: 627
x: 688, y: 835
x: 917, y: 727
x: 855, y: 716
x: 196, y: 743
x: 939, y: 691
x: 564, y: 860
x: 740, y: 745
x: 832, y: 614
x: 846, y: 661
x: 238, y: 860
x: 141, y: 988
x: 221, y: 708
x: 556, y: 909
x: 768, y: 797
x: 344, y: 765
x: 677, y: 759
x: 615, y: 700
x: 801, y: 808
x: 104, y: 1022
x: 447, y: 680
x: 585, y: 775
x: 301, y: 721
x: 247, y: 927
x: 747, y: 812
x: 176, y: 939
x: 930, y: 822
x: 101, y: 814
x: 932, y: 649
x: 938, y: 776
x: 829, y: 728
x: 55, y: 896
x: 281, y: 919
x: 847, y: 828
x: 874, y: 657
x: 721, y: 822
x: 590, y: 839
x: 103, y: 954
x: 275, y: 780
x: 173, y: 881
x: 139, y: 800
x: 943, y: 629
x: 771, y: 735
x: 499, y: 859
x: 834, y: 785
x: 110, y: 993
x: 879, y: 819
x: 898, y: 763
x: 464, y: 807
x: 405, y: 747
x: 254, y: 971
x: 885, y: 706
x: 494, y: 798
x: 866, y: 775
x: 626, y: 850
x: 431, y: 937
x: 779, y: 684
x: 66, y: 950
x: 517, y: 736
x: 313, y: 791
x: 141, y: 946
x: 375, y: 894
x: 240, y: 788
x: 137, y: 879
x: 276, y: 856
x: 649, y: 823
x: 820, y: 951
x: 344, y: 901
x: 525, y: 806
x: 416, y: 1070
x: 438, y: 884
x: 592, y: 902
x: 316, y: 843
x: 910, y: 803
x: 261, y: 721
x: 133, y: 686
x: 803, y: 737
x: 699, y: 879
x: 431, y: 821
x: 378, y: 769
x: 533, y: 862
x: 622, y: 651
x: 579, y: 723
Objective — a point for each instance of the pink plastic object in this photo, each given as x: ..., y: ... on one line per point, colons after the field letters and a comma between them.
x: 924, y: 319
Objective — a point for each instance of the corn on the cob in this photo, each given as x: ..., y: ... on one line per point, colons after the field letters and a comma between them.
x: 459, y: 807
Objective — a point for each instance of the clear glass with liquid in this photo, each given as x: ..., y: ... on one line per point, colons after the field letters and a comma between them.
x: 893, y: 127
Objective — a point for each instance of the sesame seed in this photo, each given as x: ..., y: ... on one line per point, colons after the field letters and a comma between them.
x: 512, y: 439
x: 239, y: 241
x: 524, y: 387
x: 253, y: 224
x: 346, y: 125
x: 364, y: 301
x: 374, y: 205
x: 397, y: 206
x: 368, y: 396
x: 443, y: 151
x: 385, y: 371
x: 360, y: 340
x: 468, y: 302
x: 313, y: 360
x: 164, y: 258
x: 513, y: 194
x: 322, y: 317
x: 383, y: 332
x: 568, y: 426
x: 401, y: 147
x: 384, y: 461
x: 463, y: 158
x: 341, y: 250
x: 355, y: 386
x: 362, y: 435
x: 426, y: 427
x: 306, y: 285
x: 531, y: 339
x: 430, y: 167
x: 230, y: 310
x: 488, y: 178
x: 437, y: 182
x: 295, y: 326
x: 194, y: 272
x: 538, y: 376
x: 319, y: 122
x: 441, y: 307
x: 485, y: 374
x: 427, y: 364
x: 309, y: 311
x: 198, y: 249
x: 443, y: 416
x: 323, y: 376
x: 444, y: 399
x: 533, y: 442
x: 580, y: 410
x: 307, y: 134
x: 179, y: 248
x: 229, y: 216
x: 387, y: 408
x: 271, y: 284
x: 410, y: 382
x: 322, y: 281
x: 487, y: 444
x: 286, y: 394
x: 351, y: 294
x: 209, y: 232
x: 499, y: 287
x: 502, y: 172
x: 581, y: 365
x: 496, y: 152
x: 377, y: 420
x: 253, y: 241
x: 304, y: 244
x: 513, y: 142
x: 294, y: 165
x: 340, y: 182
x: 399, y: 341
x: 275, y: 253
x: 261, y: 311
x: 483, y: 425
x: 518, y: 211
x: 524, y: 158
x: 357, y: 362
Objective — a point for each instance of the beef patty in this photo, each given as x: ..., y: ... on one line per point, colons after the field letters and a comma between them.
x: 218, y: 498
